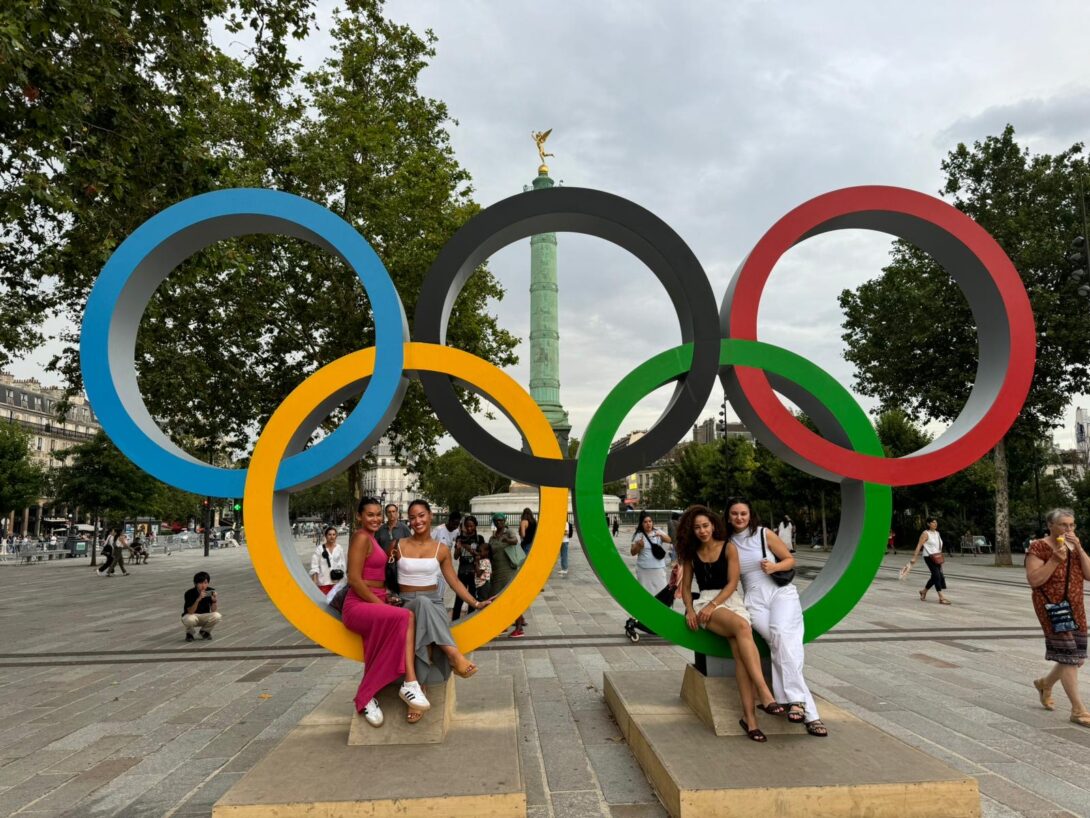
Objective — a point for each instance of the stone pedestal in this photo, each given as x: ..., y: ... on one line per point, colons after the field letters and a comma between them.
x: 702, y: 766
x: 403, y: 770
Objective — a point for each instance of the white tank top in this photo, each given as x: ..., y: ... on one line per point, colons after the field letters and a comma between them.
x: 749, y: 560
x: 933, y: 544
x: 419, y: 572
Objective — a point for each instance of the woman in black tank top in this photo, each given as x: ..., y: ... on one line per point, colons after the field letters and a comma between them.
x: 707, y: 555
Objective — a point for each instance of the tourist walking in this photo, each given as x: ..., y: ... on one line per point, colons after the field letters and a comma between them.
x: 388, y: 631
x: 616, y: 526
x: 775, y: 610
x: 652, y: 557
x: 564, y: 543
x: 931, y: 545
x: 707, y: 554
x: 466, y: 547
x: 421, y: 561
x: 527, y: 530
x: 1056, y: 568
x: 506, y: 559
x: 328, y: 563
x: 786, y: 533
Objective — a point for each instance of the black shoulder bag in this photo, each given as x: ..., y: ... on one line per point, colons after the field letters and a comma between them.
x: 781, y: 578
x: 1059, y: 613
x: 657, y: 551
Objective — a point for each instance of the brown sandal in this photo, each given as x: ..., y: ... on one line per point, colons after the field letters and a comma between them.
x: 817, y: 728
x: 413, y: 716
x: 1045, y: 694
x: 1082, y: 718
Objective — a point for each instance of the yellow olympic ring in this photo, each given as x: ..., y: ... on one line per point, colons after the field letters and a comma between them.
x: 318, y: 622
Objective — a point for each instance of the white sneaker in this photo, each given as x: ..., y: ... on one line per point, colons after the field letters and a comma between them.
x: 373, y: 713
x: 563, y: 572
x: 413, y: 695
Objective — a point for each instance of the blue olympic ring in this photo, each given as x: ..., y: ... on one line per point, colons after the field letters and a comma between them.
x: 129, y: 279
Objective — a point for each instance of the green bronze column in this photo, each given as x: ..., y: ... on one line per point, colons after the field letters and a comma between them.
x: 544, y: 327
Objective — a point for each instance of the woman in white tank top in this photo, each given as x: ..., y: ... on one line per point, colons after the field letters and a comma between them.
x: 420, y: 562
x: 931, y: 545
x: 774, y: 611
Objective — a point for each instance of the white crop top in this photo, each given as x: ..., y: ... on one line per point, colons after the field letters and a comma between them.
x: 419, y: 572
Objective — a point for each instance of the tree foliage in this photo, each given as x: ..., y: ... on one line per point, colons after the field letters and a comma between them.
x: 114, y: 111
x: 456, y: 476
x: 910, y: 332
x: 21, y: 479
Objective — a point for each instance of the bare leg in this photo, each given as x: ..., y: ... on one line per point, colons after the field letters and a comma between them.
x: 745, y: 688
x: 730, y: 625
x: 1069, y: 678
x: 458, y: 661
x: 410, y: 649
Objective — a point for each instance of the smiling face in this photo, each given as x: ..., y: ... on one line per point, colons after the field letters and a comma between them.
x: 703, y: 528
x: 369, y: 519
x: 419, y: 520
x: 739, y: 516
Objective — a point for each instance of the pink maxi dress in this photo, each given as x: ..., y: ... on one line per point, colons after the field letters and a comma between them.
x: 383, y: 628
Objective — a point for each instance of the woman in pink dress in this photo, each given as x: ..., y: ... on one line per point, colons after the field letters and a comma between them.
x: 388, y: 631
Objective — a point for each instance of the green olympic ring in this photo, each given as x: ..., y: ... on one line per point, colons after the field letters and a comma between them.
x: 829, y: 603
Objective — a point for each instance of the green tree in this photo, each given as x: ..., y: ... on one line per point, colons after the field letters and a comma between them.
x: 21, y: 480
x: 327, y: 500
x: 661, y: 493
x: 455, y: 477
x: 105, y: 115
x: 910, y: 333
x: 98, y: 478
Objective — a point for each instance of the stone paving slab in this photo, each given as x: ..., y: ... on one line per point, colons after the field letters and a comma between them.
x: 101, y: 675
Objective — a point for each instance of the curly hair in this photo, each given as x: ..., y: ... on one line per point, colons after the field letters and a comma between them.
x: 687, y: 542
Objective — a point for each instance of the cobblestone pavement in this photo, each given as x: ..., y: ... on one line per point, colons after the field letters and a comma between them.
x: 105, y: 710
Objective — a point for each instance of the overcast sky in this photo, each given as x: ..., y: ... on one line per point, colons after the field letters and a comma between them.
x: 719, y: 118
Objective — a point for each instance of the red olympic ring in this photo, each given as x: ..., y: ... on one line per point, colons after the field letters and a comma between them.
x: 914, y: 216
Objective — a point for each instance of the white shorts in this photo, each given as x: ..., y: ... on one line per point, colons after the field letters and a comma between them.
x: 735, y: 602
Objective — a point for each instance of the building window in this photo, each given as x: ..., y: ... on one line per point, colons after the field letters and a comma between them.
x: 39, y: 444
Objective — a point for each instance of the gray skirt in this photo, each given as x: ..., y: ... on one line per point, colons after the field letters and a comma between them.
x: 432, y: 628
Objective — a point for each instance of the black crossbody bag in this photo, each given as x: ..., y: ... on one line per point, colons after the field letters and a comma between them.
x: 657, y: 551
x: 781, y: 578
x: 1060, y: 615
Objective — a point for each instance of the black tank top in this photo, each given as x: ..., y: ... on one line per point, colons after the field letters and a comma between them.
x: 531, y: 530
x: 711, y: 574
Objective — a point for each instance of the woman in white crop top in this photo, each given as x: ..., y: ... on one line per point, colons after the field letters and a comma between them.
x: 931, y: 545
x: 775, y: 611
x: 420, y: 562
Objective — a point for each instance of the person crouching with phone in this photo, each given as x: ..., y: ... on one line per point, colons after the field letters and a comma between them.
x: 199, y: 609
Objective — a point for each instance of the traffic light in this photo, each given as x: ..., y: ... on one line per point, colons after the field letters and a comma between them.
x: 237, y: 506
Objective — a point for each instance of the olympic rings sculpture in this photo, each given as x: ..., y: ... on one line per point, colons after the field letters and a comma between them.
x: 846, y: 450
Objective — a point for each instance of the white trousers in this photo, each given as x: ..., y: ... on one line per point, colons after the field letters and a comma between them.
x: 776, y: 614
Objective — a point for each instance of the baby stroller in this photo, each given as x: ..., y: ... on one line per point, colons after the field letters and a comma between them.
x: 632, y: 627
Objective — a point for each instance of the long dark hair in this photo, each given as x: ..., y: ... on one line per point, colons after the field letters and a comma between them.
x: 364, y: 502
x: 528, y: 515
x: 687, y: 543
x: 754, y: 518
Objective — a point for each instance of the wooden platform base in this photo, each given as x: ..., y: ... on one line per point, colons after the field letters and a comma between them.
x: 858, y: 771
x: 315, y: 772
